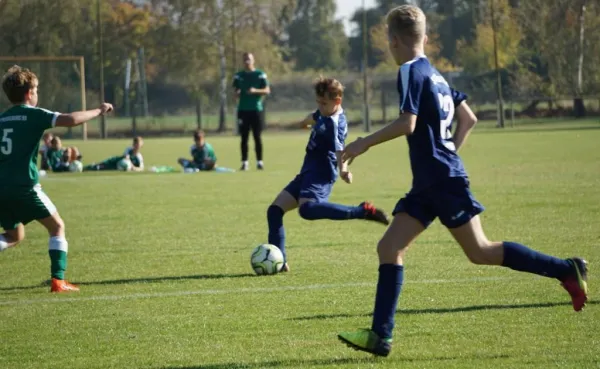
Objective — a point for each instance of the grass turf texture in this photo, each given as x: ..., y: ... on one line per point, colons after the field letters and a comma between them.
x: 163, y: 263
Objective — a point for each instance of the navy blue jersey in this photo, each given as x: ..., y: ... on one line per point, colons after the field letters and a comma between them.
x: 425, y: 93
x: 328, y: 136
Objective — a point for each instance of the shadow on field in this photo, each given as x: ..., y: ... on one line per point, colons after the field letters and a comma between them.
x: 461, y: 309
x: 164, y: 279
x: 525, y: 129
x: 326, y: 362
x: 137, y: 280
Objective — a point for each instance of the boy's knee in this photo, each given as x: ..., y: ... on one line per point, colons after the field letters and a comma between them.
x: 389, y: 246
x: 274, y: 212
x: 15, y: 235
x: 56, y: 227
x: 305, y: 210
x: 486, y: 253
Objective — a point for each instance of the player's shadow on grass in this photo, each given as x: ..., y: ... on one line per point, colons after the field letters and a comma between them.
x: 138, y: 280
x: 165, y: 279
x: 461, y: 309
x: 327, y: 362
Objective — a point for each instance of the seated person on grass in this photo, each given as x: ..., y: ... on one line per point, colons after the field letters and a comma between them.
x: 131, y: 160
x: 58, y: 158
x: 203, y: 154
x: 48, y: 136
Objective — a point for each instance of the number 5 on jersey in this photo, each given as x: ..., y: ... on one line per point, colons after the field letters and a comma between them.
x: 447, y: 106
x: 6, y: 142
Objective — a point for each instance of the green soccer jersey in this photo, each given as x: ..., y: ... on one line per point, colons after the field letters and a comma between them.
x: 137, y: 160
x: 203, y: 153
x: 21, y: 129
x: 243, y: 81
x: 55, y: 158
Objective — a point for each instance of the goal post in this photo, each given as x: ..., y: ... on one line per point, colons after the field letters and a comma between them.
x: 73, y: 58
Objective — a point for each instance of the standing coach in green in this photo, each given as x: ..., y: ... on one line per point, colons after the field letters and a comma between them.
x: 250, y: 87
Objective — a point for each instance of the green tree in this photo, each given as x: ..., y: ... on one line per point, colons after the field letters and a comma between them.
x: 477, y: 56
x: 316, y: 39
x: 553, y: 40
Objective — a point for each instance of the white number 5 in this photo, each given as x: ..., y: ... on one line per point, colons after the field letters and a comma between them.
x: 6, y: 143
x: 447, y: 105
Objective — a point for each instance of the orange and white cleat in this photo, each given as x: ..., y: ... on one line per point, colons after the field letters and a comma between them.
x: 60, y: 285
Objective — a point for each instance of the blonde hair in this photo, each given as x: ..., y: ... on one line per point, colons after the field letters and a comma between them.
x: 329, y: 88
x: 17, y: 82
x: 407, y: 22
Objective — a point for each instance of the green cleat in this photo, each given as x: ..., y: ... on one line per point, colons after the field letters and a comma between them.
x: 368, y: 341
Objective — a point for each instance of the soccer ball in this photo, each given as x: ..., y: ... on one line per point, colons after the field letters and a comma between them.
x: 266, y: 259
x: 76, y: 166
x: 124, y: 165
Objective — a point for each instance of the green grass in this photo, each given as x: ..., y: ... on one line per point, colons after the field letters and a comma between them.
x: 163, y: 263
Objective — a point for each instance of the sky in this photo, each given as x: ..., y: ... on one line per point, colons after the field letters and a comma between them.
x: 346, y: 8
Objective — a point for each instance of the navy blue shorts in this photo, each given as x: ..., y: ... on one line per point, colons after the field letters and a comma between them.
x: 310, y: 187
x: 451, y: 201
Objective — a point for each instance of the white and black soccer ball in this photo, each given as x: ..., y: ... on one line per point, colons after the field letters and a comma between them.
x: 75, y: 166
x: 124, y: 165
x: 266, y: 259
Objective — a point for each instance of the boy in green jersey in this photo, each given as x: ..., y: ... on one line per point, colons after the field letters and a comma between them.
x: 21, y: 196
x: 132, y: 155
x: 58, y: 158
x: 203, y: 154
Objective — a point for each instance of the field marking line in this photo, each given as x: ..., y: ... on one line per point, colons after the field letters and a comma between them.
x: 135, y: 296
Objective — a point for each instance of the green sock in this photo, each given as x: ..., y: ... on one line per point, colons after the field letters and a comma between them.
x: 58, y: 247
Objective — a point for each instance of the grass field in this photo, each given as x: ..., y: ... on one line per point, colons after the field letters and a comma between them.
x: 182, y: 124
x: 163, y: 263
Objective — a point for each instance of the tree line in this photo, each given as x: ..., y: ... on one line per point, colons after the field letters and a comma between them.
x: 534, y: 47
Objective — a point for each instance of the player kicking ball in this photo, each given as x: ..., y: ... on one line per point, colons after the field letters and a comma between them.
x: 440, y: 185
x: 21, y: 197
x: 310, y: 190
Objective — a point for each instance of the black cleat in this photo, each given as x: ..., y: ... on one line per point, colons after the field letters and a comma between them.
x: 375, y: 214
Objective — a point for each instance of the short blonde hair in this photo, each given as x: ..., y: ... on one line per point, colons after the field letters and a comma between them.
x: 17, y: 82
x: 407, y: 22
x: 329, y: 88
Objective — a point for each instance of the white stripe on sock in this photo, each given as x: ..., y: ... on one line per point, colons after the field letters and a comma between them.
x: 58, y: 243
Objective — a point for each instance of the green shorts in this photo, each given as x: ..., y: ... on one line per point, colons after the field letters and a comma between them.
x: 23, y: 205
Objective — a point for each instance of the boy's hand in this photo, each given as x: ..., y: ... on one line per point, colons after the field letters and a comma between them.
x: 354, y: 149
x: 346, y: 176
x: 251, y: 90
x: 105, y: 108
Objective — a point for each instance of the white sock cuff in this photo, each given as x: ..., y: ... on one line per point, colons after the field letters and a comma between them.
x: 3, y: 243
x: 58, y: 243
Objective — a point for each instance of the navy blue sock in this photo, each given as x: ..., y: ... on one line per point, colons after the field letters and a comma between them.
x: 326, y: 210
x: 276, y: 230
x: 389, y: 286
x: 524, y: 259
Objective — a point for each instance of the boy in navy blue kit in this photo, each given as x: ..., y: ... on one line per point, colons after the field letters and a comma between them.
x: 310, y: 190
x: 440, y: 185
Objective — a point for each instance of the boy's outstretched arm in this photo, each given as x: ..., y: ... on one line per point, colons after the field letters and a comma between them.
x: 79, y: 117
x: 404, y: 125
x: 466, y: 121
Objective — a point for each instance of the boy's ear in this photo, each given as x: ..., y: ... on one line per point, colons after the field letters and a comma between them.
x: 425, y: 39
